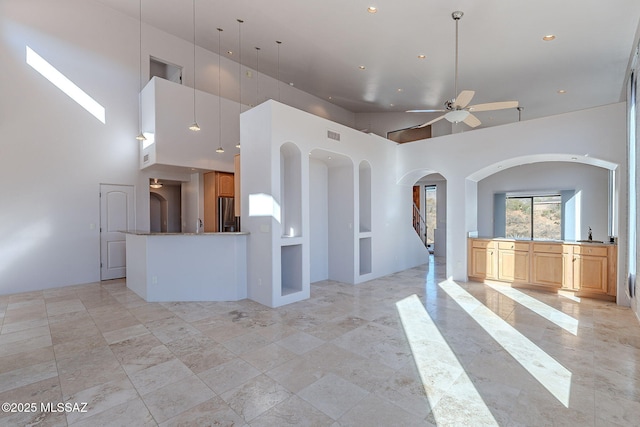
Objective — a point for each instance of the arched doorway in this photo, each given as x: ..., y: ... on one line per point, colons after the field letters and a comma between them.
x: 158, y: 209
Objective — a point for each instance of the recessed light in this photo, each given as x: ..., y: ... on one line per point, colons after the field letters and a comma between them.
x: 562, y: 91
x: 399, y: 89
x: 549, y: 37
x: 331, y: 97
x: 290, y: 83
x: 499, y: 166
x: 229, y: 52
x: 372, y: 9
x: 391, y: 105
x: 422, y: 56
x: 362, y: 67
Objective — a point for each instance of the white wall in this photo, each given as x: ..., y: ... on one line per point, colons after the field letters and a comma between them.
x: 394, y: 243
x: 595, y: 136
x: 590, y: 182
x: 61, y: 153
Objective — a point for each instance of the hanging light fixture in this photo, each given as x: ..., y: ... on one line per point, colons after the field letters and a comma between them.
x: 140, y: 136
x: 155, y: 184
x: 194, y: 126
x: 240, y: 21
x: 219, y: 149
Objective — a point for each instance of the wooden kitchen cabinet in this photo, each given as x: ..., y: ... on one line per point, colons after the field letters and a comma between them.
x: 513, y: 262
x: 484, y: 259
x: 588, y: 269
x: 225, y: 184
x: 591, y: 269
x: 548, y: 264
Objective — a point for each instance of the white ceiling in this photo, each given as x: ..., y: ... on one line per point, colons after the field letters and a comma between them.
x: 502, y: 54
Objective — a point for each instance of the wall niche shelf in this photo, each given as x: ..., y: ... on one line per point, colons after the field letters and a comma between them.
x: 364, y: 197
x: 364, y: 205
x: 291, y: 269
x: 289, y: 241
x: 291, y: 190
x: 365, y: 255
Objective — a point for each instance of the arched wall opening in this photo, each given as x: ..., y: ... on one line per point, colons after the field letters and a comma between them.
x: 331, y: 213
x: 158, y: 212
x: 429, y: 208
x: 593, y: 182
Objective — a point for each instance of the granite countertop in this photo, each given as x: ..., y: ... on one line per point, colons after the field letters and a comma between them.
x: 568, y: 242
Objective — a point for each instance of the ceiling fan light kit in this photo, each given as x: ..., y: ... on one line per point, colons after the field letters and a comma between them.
x: 458, y: 109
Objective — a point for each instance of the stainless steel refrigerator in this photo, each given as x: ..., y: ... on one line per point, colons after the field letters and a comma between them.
x: 227, y: 220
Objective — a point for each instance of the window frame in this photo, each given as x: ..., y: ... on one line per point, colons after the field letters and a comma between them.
x: 531, y: 198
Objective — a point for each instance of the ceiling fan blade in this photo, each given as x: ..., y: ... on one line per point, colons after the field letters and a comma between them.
x: 463, y: 99
x: 491, y: 106
x: 430, y: 122
x: 472, y: 121
x: 425, y: 111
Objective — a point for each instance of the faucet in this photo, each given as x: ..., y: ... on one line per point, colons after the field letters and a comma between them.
x: 199, y: 225
x: 590, y: 235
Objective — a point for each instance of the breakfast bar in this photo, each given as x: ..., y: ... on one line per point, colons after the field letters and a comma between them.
x: 165, y: 267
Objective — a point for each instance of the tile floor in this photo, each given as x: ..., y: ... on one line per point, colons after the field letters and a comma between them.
x: 409, y: 349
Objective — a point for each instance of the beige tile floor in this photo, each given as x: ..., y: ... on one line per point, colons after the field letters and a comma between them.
x: 373, y: 354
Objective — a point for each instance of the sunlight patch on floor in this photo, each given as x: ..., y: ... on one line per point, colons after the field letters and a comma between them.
x: 439, y: 367
x: 544, y: 368
x: 553, y: 315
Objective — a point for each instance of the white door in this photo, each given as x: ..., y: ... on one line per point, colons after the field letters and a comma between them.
x: 117, y: 214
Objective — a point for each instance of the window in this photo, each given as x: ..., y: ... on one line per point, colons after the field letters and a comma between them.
x: 534, y: 217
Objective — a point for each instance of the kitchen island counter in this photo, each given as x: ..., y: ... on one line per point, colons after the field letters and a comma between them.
x: 163, y: 267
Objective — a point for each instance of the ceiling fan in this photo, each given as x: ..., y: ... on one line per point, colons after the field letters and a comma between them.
x: 458, y: 109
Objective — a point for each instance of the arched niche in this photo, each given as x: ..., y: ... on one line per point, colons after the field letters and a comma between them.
x: 364, y: 195
x: 291, y: 190
x: 332, y: 216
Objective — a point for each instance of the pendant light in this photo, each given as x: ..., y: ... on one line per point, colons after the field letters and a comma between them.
x: 140, y: 136
x: 194, y: 126
x: 520, y: 113
x: 155, y: 184
x: 219, y: 149
x: 240, y: 21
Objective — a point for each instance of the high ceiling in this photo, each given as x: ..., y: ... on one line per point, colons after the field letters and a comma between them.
x: 502, y: 55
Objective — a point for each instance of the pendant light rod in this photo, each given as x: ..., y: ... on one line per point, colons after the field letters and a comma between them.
x: 194, y: 126
x: 257, y: 76
x: 456, y: 17
x: 278, y: 73
x: 240, y: 22
x: 140, y: 136
x: 219, y: 149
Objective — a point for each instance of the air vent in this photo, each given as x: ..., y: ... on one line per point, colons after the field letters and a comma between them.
x: 145, y: 159
x: 333, y: 135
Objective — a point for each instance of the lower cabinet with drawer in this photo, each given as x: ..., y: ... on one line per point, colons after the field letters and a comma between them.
x: 513, y: 262
x: 594, y: 270
x: 548, y: 265
x: 587, y: 269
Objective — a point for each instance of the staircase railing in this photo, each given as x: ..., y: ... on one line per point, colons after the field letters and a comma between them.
x: 419, y: 224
